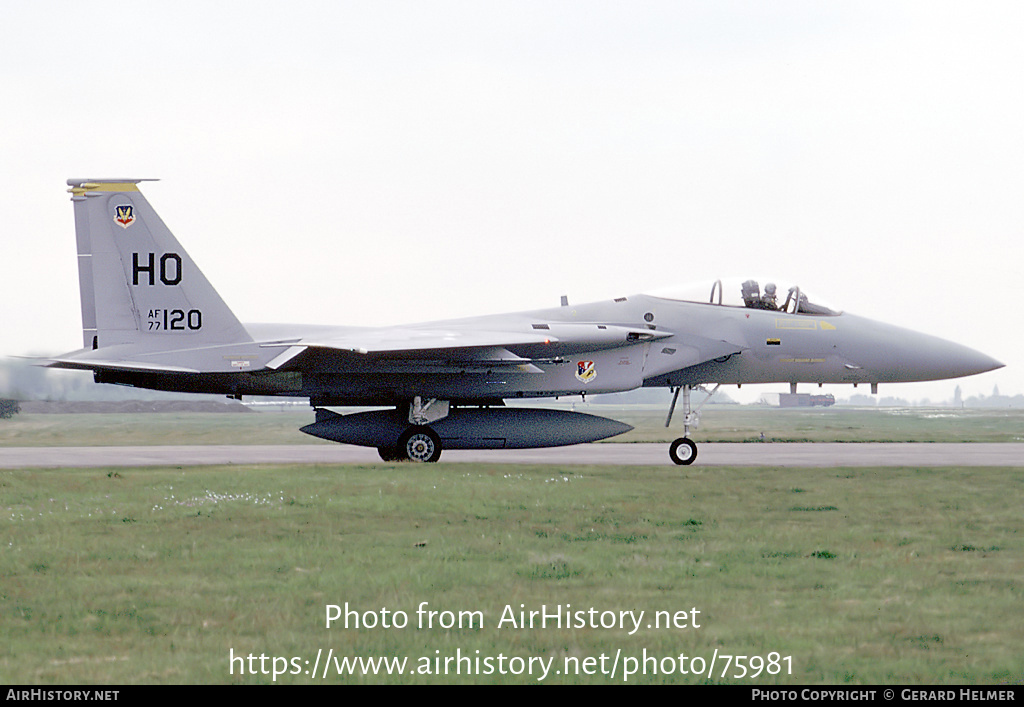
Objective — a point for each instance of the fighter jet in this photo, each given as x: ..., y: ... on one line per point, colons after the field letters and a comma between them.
x: 151, y: 319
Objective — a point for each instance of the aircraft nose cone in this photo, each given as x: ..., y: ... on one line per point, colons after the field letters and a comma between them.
x: 963, y: 361
x: 930, y: 358
x: 898, y: 354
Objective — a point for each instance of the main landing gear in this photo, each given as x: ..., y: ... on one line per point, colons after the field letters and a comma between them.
x: 418, y: 443
x: 683, y: 450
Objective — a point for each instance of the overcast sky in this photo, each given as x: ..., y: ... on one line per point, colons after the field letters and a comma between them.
x: 387, y: 162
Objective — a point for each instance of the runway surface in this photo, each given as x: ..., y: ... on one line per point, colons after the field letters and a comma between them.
x: 710, y: 454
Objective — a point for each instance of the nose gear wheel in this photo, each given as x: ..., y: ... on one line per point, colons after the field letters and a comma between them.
x: 683, y: 451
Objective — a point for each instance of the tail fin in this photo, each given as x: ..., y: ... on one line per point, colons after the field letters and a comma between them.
x: 138, y: 284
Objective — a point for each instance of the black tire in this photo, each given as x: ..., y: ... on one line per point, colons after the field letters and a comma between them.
x: 683, y: 451
x: 389, y: 454
x: 419, y: 444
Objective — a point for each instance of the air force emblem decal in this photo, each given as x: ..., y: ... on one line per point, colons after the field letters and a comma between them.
x: 124, y: 215
x: 586, y: 371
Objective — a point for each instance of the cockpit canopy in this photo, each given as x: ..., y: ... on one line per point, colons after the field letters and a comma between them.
x: 751, y: 294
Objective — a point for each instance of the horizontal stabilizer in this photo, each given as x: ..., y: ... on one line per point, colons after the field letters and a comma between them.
x: 96, y: 365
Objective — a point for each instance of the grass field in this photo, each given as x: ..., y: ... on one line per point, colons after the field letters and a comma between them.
x: 723, y: 423
x: 894, y: 575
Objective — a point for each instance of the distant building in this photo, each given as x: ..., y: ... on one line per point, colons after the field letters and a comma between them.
x: 805, y: 400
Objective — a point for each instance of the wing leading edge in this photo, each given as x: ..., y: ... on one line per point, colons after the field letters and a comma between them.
x: 544, y: 342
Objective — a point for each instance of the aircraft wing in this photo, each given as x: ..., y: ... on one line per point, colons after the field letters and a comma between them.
x: 411, y: 340
x: 466, y: 345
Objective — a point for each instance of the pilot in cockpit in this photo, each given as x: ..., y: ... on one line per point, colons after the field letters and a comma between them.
x: 753, y: 299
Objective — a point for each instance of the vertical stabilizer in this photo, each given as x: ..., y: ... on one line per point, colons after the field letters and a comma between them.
x: 138, y: 284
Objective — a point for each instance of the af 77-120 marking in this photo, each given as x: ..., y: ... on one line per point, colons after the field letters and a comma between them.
x: 150, y: 319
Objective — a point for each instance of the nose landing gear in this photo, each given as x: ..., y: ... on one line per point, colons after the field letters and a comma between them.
x: 683, y: 451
